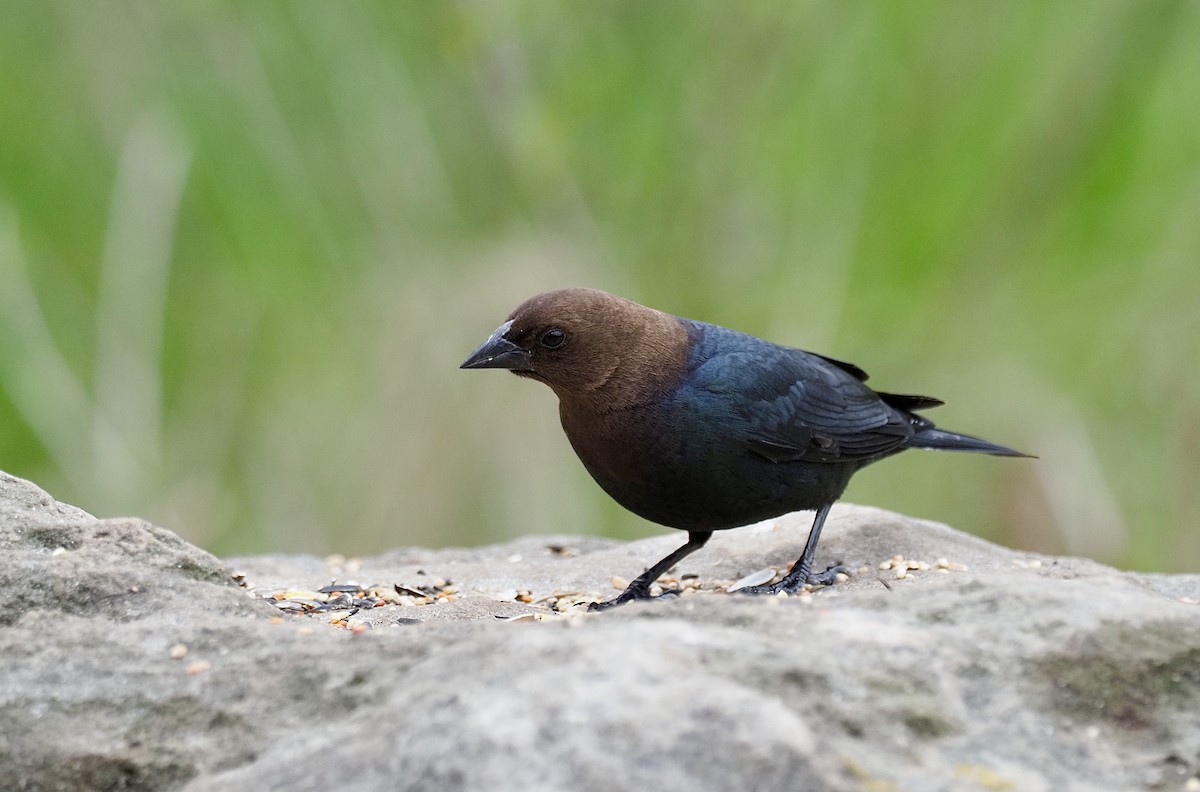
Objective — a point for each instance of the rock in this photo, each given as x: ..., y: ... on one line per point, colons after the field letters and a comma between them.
x: 130, y: 660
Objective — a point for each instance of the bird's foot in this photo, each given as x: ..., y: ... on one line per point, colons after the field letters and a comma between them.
x: 829, y: 576
x: 628, y: 595
x: 794, y: 584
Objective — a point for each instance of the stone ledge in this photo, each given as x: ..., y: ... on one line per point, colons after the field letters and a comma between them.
x: 131, y: 660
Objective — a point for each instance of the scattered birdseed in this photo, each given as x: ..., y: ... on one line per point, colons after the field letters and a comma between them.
x: 296, y: 594
x: 352, y: 597
x: 341, y: 588
x: 902, y: 566
x: 179, y: 651
x: 58, y: 551
x: 341, y: 618
x: 559, y: 550
x: 339, y: 601
x: 561, y: 601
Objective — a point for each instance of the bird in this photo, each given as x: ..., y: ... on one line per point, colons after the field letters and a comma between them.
x: 703, y: 428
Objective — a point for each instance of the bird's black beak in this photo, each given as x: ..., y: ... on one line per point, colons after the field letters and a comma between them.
x: 499, y: 352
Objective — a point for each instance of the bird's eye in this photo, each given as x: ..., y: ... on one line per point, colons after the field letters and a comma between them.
x: 553, y: 339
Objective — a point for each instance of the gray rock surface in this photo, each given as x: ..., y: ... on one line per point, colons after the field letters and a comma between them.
x: 130, y: 660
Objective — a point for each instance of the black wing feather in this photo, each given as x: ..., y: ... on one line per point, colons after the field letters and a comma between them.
x: 801, y: 406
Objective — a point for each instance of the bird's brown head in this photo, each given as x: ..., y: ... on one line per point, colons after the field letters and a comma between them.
x: 589, y: 346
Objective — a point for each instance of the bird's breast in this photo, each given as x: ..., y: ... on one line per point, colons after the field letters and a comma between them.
x: 625, y: 450
x: 678, y: 464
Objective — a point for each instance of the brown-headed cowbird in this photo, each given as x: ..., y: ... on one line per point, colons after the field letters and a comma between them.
x: 703, y: 428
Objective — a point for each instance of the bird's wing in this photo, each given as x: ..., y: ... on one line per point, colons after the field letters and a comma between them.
x: 796, y: 405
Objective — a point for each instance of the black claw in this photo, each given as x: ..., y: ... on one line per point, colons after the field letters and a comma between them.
x: 628, y: 596
x: 829, y: 576
x: 796, y: 585
x: 769, y: 588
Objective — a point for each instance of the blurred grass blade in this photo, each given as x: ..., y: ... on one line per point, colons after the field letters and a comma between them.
x: 127, y: 431
x: 34, y: 373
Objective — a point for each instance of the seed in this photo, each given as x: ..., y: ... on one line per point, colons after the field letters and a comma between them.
x: 756, y: 578
x: 198, y: 667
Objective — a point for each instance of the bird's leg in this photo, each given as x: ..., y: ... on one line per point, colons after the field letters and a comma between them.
x: 640, y: 587
x: 802, y: 570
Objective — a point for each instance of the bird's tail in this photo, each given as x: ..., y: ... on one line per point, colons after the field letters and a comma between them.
x: 932, y: 437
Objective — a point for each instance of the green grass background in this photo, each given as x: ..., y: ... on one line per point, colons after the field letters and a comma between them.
x: 244, y: 246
